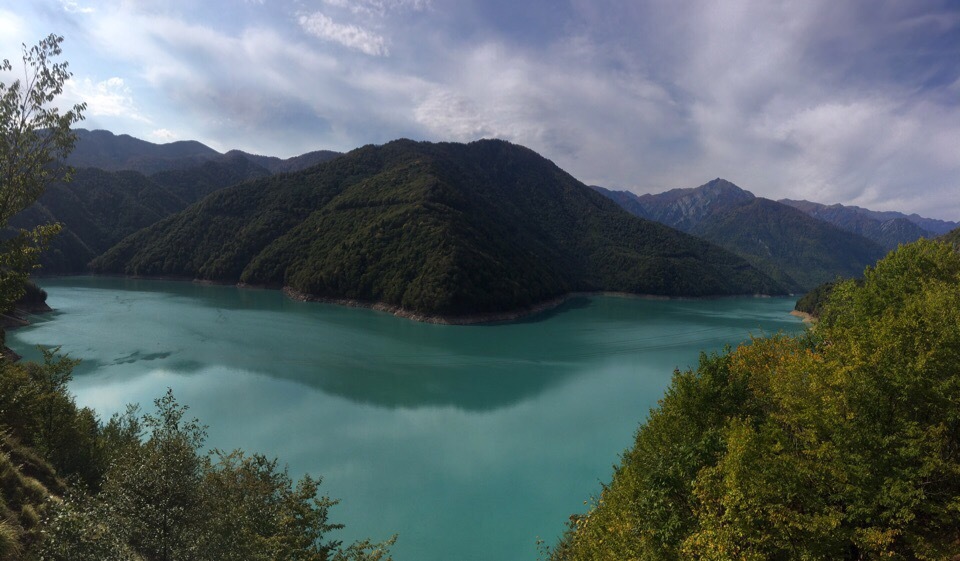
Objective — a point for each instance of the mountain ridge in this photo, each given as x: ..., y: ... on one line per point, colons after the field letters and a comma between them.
x: 888, y: 228
x: 797, y: 250
x: 440, y: 229
x: 116, y: 152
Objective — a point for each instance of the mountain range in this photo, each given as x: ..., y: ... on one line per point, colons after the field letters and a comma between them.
x: 114, y: 194
x: 800, y: 244
x: 443, y: 229
x: 105, y: 150
x: 889, y: 229
x: 437, y: 229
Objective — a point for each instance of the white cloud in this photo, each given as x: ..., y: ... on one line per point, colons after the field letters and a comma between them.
x: 350, y: 36
x: 71, y: 7
x: 109, y: 98
x: 378, y: 7
x: 164, y: 135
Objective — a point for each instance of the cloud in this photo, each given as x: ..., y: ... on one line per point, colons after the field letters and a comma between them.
x: 350, y: 36
x: 164, y: 135
x: 378, y: 7
x: 839, y: 102
x: 72, y: 7
x: 109, y: 98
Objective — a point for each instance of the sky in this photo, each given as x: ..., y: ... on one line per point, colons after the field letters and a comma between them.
x: 852, y: 102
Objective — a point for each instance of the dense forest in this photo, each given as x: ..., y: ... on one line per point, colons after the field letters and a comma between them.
x: 842, y: 443
x: 439, y: 229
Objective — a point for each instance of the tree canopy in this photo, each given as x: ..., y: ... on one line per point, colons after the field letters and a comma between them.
x: 843, y: 443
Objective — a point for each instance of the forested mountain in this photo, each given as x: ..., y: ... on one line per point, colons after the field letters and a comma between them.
x: 797, y: 250
x: 107, y: 151
x: 889, y: 229
x: 953, y: 237
x: 99, y: 208
x: 124, y: 184
x: 439, y: 229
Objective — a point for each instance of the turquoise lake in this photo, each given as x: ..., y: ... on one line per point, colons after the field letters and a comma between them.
x: 470, y: 442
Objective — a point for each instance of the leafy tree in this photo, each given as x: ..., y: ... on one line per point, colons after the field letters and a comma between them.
x: 163, y: 500
x: 34, y: 137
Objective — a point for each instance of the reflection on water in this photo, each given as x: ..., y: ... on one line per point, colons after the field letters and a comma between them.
x: 470, y: 441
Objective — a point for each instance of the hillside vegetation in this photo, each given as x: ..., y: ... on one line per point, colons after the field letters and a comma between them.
x: 788, y: 245
x: 797, y: 250
x: 438, y: 229
x: 843, y: 443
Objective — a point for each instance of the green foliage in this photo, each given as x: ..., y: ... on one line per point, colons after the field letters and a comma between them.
x: 796, y: 249
x: 812, y: 302
x: 843, y: 443
x: 34, y: 135
x: 37, y: 410
x: 440, y: 229
x: 953, y: 238
x: 163, y: 500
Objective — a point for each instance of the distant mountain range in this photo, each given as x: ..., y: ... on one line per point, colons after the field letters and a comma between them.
x: 124, y: 184
x: 800, y: 244
x: 107, y: 151
x: 889, y: 229
x: 435, y: 229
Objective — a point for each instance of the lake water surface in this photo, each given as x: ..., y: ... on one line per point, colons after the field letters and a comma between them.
x: 469, y: 441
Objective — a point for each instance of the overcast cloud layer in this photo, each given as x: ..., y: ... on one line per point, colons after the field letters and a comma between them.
x: 854, y: 102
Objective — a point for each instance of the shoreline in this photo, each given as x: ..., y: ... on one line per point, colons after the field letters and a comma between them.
x: 807, y: 318
x: 468, y: 319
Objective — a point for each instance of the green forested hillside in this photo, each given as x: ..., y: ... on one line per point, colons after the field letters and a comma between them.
x: 843, y: 443
x: 99, y: 208
x: 790, y: 246
x: 953, y: 237
x: 446, y: 229
x: 797, y: 250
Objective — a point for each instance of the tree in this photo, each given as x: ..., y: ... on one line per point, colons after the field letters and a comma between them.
x: 34, y: 139
x: 162, y: 499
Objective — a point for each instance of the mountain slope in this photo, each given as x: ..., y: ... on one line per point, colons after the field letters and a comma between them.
x: 777, y: 238
x: 99, y: 208
x: 952, y: 237
x: 795, y: 249
x: 105, y: 150
x: 889, y: 229
x: 440, y: 229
